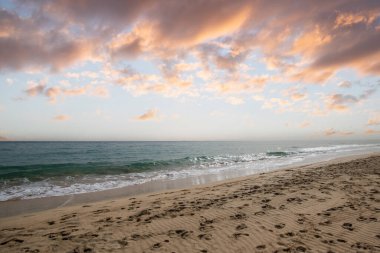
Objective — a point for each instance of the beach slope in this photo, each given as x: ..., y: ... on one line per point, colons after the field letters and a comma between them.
x: 317, y: 208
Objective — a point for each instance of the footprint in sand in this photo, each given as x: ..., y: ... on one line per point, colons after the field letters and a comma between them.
x: 205, y: 237
x: 237, y: 235
x: 123, y: 242
x: 238, y: 216
x: 79, y: 250
x: 156, y: 246
x: 347, y: 226
x: 205, y: 224
x: 68, y: 216
x: 180, y: 233
x: 13, y: 241
x: 362, y: 245
x: 261, y: 247
x: 101, y: 211
x: 241, y: 226
x: 279, y: 226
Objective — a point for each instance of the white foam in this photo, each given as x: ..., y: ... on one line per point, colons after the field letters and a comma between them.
x: 348, y: 147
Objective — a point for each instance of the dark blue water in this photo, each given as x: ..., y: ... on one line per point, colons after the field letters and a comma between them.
x: 39, y: 169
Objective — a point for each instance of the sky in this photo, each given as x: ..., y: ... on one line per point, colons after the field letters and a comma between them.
x: 189, y: 70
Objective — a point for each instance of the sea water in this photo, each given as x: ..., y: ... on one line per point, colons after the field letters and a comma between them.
x: 41, y: 169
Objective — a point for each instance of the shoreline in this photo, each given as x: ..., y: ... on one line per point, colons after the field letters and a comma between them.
x: 27, y: 206
x: 330, y: 206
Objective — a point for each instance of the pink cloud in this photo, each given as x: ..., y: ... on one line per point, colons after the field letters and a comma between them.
x: 341, y: 102
x: 252, y: 84
x: 304, y: 124
x: 374, y: 121
x: 235, y: 100
x: 54, y: 92
x: 100, y: 92
x: 332, y: 131
x: 26, y: 43
x: 372, y: 131
x: 35, y: 88
x: 129, y: 49
x: 294, y: 94
x: 221, y: 34
x: 170, y: 84
x: 148, y: 115
x: 345, y: 84
x: 3, y: 138
x: 62, y: 117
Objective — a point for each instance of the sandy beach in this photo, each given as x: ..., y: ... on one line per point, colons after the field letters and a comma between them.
x: 324, y: 207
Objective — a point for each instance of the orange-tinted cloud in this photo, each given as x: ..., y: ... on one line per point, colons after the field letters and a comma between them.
x: 374, y: 121
x: 304, y: 124
x: 360, y: 53
x: 26, y: 43
x: 341, y: 102
x: 235, y: 100
x: 308, y: 42
x: 148, y: 115
x: 294, y: 94
x: 332, y: 131
x: 240, y: 85
x: 100, y: 91
x: 35, y: 88
x: 52, y: 93
x: 372, y: 131
x: 3, y: 138
x: 169, y: 84
x: 345, y: 84
x: 61, y: 117
x: 304, y: 45
x: 203, y: 20
x: 350, y: 19
x: 109, y: 14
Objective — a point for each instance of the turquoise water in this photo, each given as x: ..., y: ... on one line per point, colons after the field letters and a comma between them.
x: 40, y: 169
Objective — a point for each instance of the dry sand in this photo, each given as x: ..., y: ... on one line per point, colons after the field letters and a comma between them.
x: 318, y: 208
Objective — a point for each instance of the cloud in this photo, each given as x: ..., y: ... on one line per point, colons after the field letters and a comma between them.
x: 341, y: 102
x: 213, y: 19
x: 332, y: 131
x: 353, y: 55
x: 170, y: 84
x: 374, y: 120
x: 234, y: 100
x: 54, y: 92
x: 97, y: 14
x: 304, y: 124
x: 100, y: 91
x: 87, y: 74
x: 3, y: 138
x: 151, y: 114
x: 345, y: 84
x: 35, y: 89
x: 372, y: 131
x: 9, y: 81
x: 128, y: 50
x: 61, y: 117
x: 221, y: 36
x: 294, y: 94
x: 240, y: 84
x: 26, y: 43
x: 350, y: 19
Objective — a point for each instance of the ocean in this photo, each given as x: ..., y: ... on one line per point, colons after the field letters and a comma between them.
x: 42, y: 169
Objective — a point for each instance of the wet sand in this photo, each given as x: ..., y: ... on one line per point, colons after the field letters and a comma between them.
x: 325, y: 207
